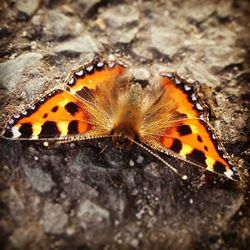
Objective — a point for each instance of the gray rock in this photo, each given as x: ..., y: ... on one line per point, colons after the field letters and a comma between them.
x: 152, y: 170
x: 199, y: 11
x: 54, y: 219
x: 164, y: 40
x: 91, y: 215
x: 125, y: 35
x: 58, y: 25
x: 27, y: 6
x: 87, y: 5
x: 82, y: 44
x: 34, y: 84
x: 11, y: 72
x: 25, y: 235
x: 120, y: 15
x: 141, y: 52
x: 197, y: 72
x: 75, y: 188
x: 38, y: 179
x: 141, y: 74
x: 221, y: 55
x: 15, y: 204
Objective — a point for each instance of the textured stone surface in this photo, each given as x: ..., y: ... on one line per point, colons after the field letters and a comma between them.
x: 39, y: 180
x: 59, y: 26
x: 27, y: 6
x: 120, y: 15
x: 54, y: 219
x: 83, y: 44
x: 11, y: 71
x: 90, y: 195
x: 92, y: 216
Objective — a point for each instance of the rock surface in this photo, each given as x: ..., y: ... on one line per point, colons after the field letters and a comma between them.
x: 90, y: 195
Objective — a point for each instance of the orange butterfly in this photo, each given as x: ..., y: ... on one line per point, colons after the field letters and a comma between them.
x: 100, y: 100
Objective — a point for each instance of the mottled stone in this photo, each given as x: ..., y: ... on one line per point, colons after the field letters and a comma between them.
x: 11, y: 71
x: 86, y: 6
x: 92, y: 215
x: 54, y: 219
x: 166, y: 40
x: 120, y: 15
x: 125, y: 35
x: 152, y: 170
x: 38, y: 179
x: 28, y: 234
x: 27, y: 6
x: 198, y: 12
x: 141, y: 74
x: 58, y: 25
x: 15, y: 204
x: 82, y: 44
x: 197, y: 72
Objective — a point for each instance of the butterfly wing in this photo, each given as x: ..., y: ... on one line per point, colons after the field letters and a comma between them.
x: 84, y: 81
x: 184, y: 131
x: 73, y: 110
x: 55, y: 115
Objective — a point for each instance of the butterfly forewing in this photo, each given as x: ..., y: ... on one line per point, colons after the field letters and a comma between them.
x: 55, y: 115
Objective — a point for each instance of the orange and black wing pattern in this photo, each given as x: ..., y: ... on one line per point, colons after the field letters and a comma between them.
x: 83, y: 81
x: 55, y: 115
x: 188, y: 134
x: 67, y: 110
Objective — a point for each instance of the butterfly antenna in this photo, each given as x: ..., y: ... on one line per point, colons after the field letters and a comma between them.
x: 183, y: 177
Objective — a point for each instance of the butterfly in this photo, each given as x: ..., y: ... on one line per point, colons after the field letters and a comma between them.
x: 101, y: 99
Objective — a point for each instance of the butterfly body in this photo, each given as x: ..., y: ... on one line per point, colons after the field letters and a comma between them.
x: 102, y: 100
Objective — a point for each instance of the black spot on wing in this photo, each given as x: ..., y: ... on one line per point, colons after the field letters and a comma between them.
x: 199, y: 138
x: 197, y: 156
x: 219, y: 167
x: 45, y: 115
x: 8, y: 133
x: 176, y: 146
x: 184, y: 130
x: 26, y: 130
x: 49, y: 130
x: 54, y: 109
x: 71, y: 107
x: 73, y: 127
x: 205, y: 147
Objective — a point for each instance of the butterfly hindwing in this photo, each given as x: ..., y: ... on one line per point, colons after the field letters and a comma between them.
x: 188, y: 135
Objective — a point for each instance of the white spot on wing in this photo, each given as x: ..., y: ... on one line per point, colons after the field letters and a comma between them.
x: 177, y: 81
x: 111, y: 64
x: 229, y: 173
x: 198, y: 106
x: 90, y: 68
x: 193, y: 97
x: 187, y: 88
x: 15, y: 132
x: 169, y: 75
x: 71, y: 82
x: 100, y: 64
x: 79, y: 73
